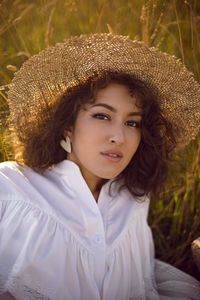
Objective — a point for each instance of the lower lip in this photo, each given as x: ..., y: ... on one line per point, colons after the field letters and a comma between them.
x: 112, y: 158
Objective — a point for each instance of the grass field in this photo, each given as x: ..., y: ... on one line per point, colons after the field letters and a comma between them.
x: 27, y: 27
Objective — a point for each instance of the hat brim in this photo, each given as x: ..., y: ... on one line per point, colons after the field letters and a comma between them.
x: 46, y: 75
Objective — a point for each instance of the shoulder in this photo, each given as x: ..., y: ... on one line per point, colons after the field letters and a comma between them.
x: 24, y: 186
x: 19, y: 176
x: 8, y: 166
x: 45, y: 191
x: 13, y: 170
x: 13, y: 178
x: 121, y: 197
x: 119, y: 189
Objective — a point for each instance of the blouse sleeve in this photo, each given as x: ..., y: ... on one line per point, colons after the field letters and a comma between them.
x: 20, y: 236
x: 19, y: 220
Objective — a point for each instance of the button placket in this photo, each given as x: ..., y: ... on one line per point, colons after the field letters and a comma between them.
x: 99, y: 259
x: 98, y: 239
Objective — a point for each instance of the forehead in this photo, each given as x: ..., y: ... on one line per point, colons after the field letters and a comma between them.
x: 117, y: 94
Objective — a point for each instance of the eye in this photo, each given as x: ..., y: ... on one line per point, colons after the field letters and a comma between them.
x: 101, y: 116
x: 132, y: 123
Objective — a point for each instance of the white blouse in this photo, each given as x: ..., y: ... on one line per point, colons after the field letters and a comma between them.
x: 58, y: 243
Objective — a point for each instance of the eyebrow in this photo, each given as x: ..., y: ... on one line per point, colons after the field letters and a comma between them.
x: 134, y: 113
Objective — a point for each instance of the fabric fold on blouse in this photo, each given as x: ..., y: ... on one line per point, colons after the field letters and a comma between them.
x: 58, y: 243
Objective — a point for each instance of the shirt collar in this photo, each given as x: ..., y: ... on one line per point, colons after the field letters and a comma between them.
x: 71, y: 174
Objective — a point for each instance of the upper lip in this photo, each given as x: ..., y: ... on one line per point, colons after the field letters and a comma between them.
x: 116, y: 152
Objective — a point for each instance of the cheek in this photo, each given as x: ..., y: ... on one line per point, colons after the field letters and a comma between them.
x: 134, y: 142
x: 84, y: 136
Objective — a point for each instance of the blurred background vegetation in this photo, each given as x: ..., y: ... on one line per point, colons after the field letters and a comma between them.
x: 28, y: 26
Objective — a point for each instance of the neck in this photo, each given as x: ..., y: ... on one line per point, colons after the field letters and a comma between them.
x: 94, y: 182
x: 93, y: 186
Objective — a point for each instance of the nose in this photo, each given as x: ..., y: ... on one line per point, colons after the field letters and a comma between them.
x: 117, y: 135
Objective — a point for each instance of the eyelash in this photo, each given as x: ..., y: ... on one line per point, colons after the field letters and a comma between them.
x: 137, y: 124
x: 100, y: 116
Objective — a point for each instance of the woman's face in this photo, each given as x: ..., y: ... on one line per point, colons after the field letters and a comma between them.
x: 106, y: 134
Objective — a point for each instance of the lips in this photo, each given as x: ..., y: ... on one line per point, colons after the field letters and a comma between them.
x: 112, y: 155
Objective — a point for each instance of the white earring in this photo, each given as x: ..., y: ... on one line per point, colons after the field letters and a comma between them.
x: 66, y: 144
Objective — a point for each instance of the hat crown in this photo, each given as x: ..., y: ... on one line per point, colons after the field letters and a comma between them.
x: 48, y: 74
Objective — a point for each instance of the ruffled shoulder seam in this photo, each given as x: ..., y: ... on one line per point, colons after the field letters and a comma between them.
x: 28, y: 205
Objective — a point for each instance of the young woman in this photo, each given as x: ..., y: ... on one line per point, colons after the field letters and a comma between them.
x: 93, y: 122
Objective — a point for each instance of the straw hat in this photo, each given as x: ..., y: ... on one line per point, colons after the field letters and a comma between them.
x: 48, y: 74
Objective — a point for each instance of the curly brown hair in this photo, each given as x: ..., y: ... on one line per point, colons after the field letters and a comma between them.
x: 38, y: 145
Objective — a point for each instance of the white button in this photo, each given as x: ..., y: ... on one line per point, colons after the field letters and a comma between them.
x: 98, y: 239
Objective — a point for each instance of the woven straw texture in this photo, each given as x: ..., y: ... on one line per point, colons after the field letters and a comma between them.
x: 48, y: 74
